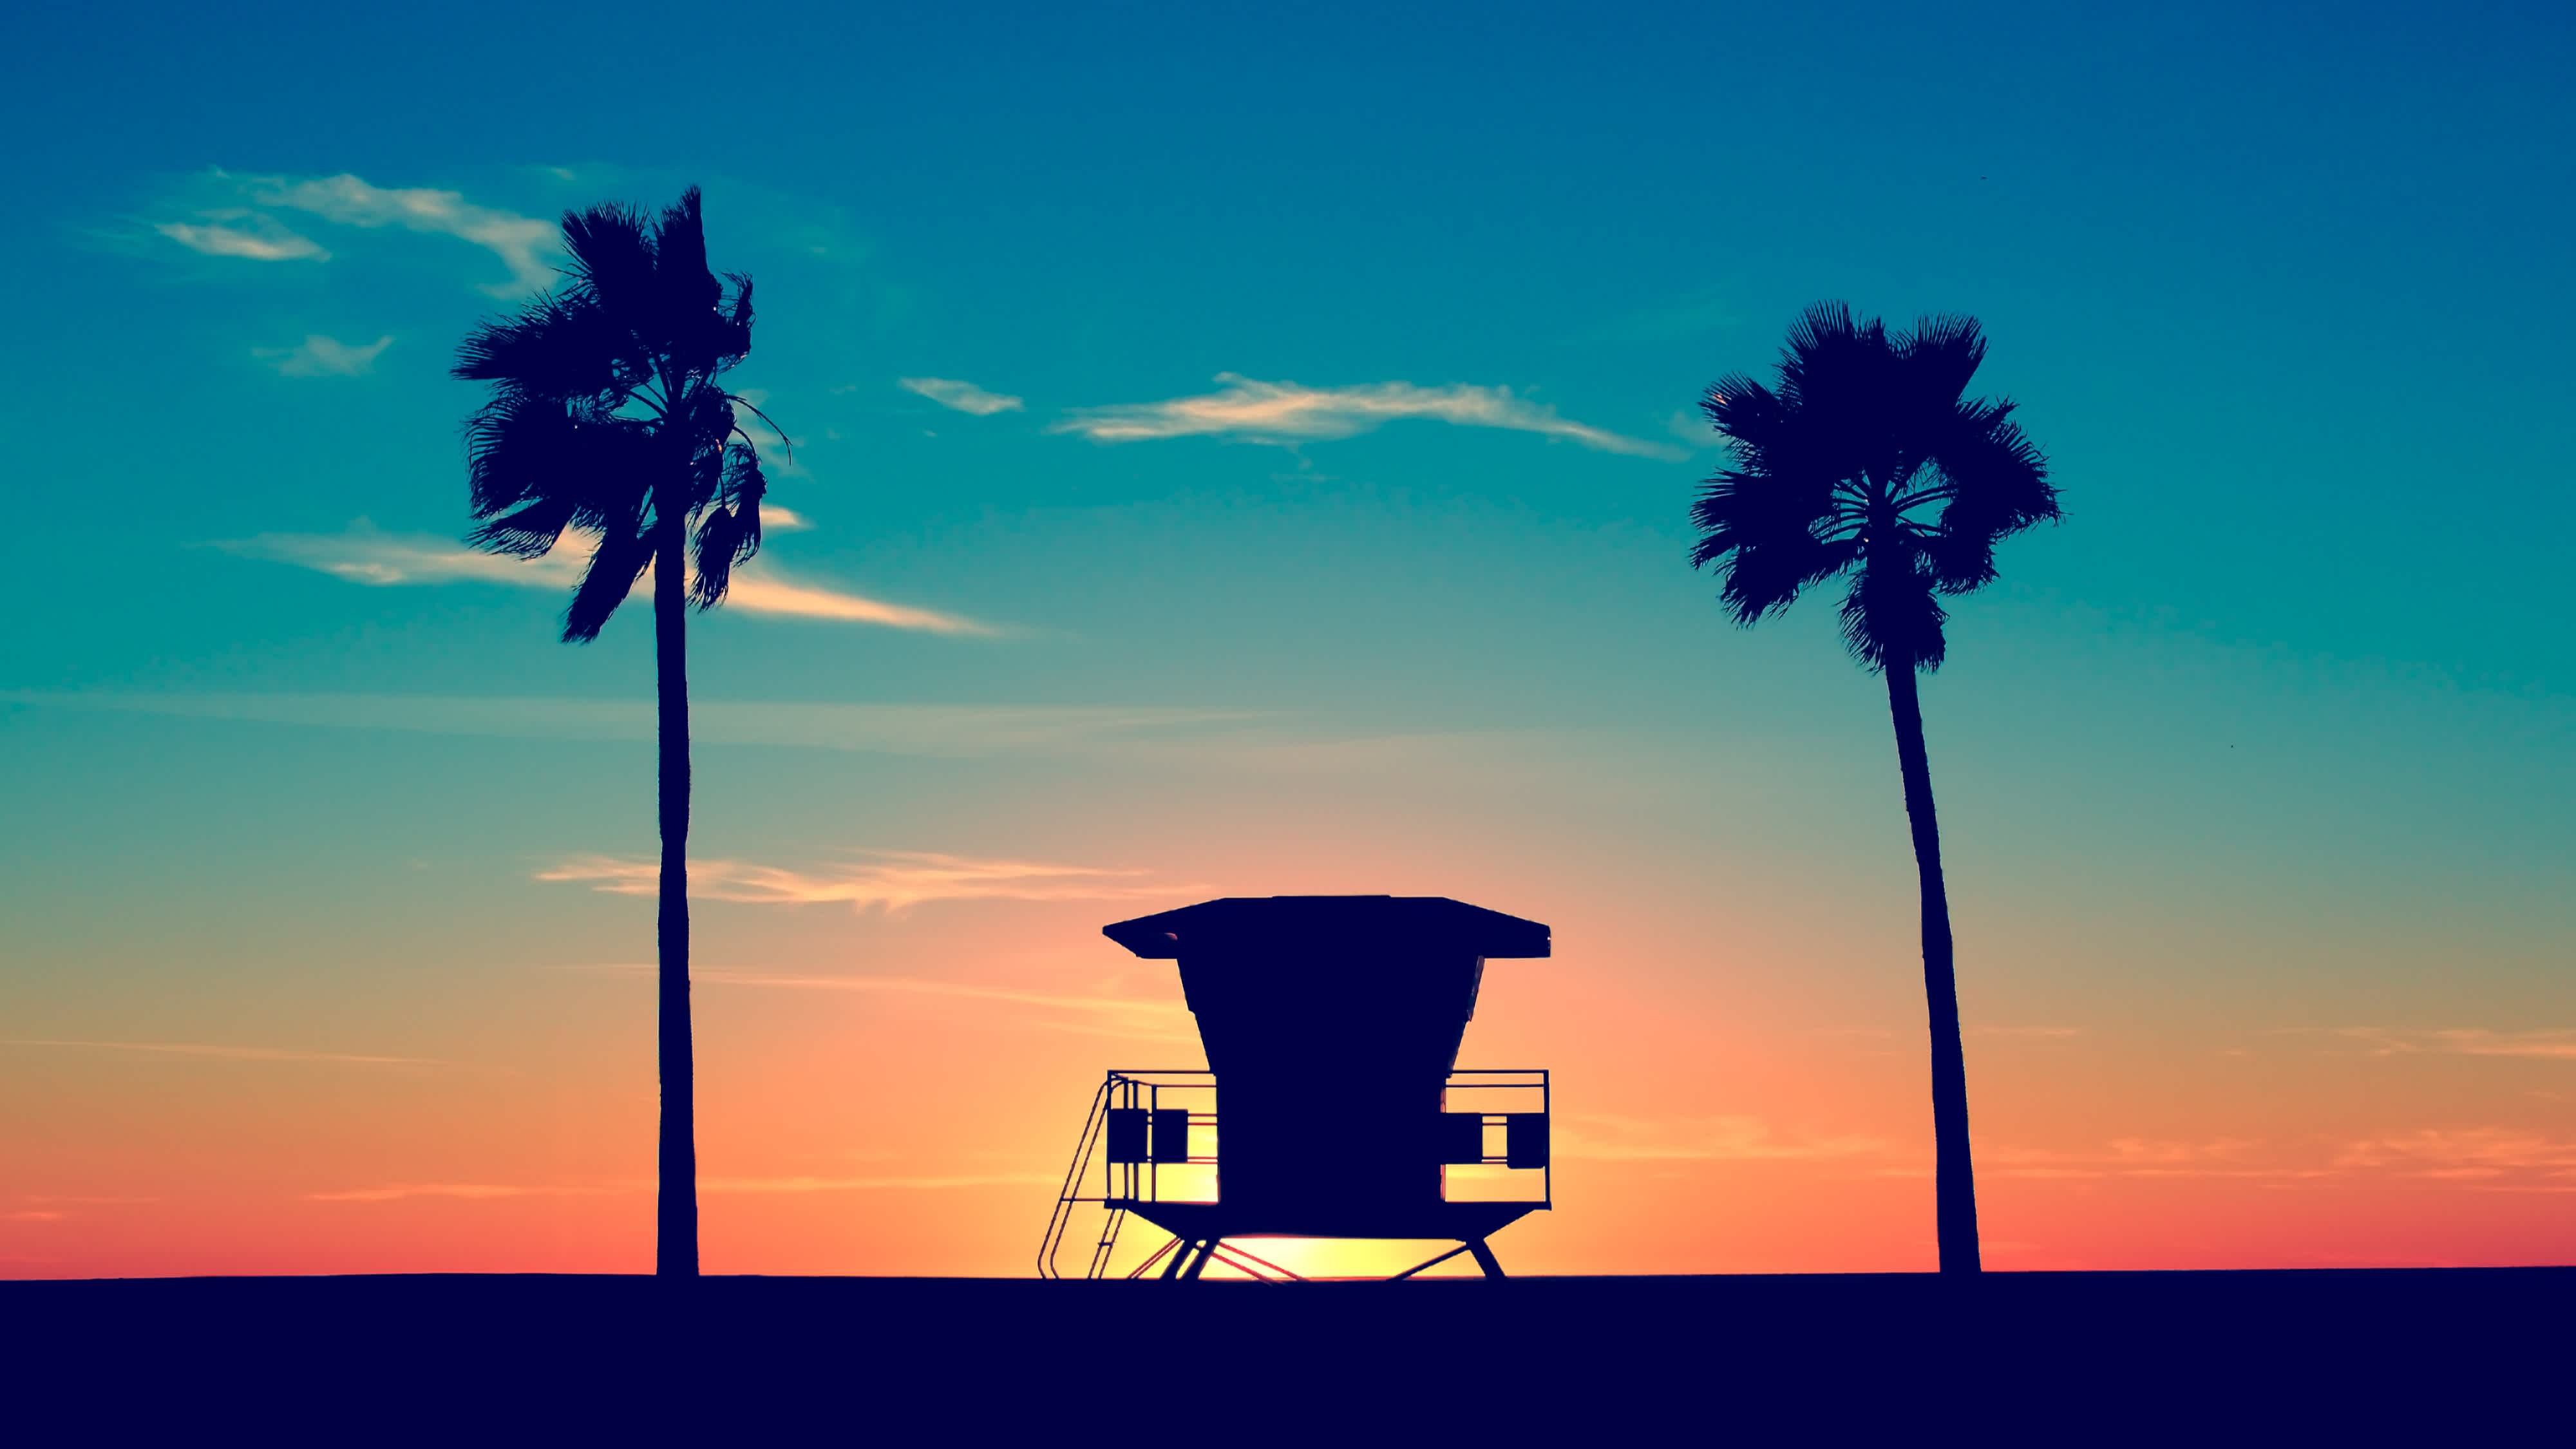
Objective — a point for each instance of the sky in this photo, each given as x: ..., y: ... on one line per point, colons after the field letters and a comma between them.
x: 1248, y: 453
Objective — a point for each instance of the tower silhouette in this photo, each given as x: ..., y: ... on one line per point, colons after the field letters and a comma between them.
x: 1332, y: 1106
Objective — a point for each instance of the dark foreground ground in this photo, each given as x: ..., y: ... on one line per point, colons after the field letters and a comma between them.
x: 2462, y: 1355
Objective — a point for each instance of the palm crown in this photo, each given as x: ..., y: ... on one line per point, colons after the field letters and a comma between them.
x: 1867, y: 459
x: 607, y: 414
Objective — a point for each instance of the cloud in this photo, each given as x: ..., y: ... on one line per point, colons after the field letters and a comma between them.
x: 2380, y: 1041
x: 2136, y: 1157
x: 469, y: 1190
x: 266, y: 241
x: 864, y: 1184
x: 2464, y: 1153
x: 484, y: 1191
x: 888, y: 879
x: 226, y: 1053
x: 364, y: 555
x: 521, y: 242
x: 1286, y: 412
x: 1115, y: 1016
x: 929, y: 730
x: 1603, y: 1137
x: 319, y: 356
x: 964, y: 397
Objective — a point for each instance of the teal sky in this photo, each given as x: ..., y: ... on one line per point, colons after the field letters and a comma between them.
x: 2273, y: 732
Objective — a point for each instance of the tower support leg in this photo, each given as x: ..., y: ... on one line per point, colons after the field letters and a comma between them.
x: 1485, y: 1258
x: 1199, y: 1264
x: 1181, y: 1250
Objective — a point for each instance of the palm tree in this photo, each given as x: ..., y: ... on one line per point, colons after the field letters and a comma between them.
x: 1867, y: 461
x: 608, y: 419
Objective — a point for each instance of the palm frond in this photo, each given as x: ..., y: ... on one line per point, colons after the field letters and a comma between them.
x: 785, y: 446
x: 528, y: 533
x: 680, y: 257
x: 520, y: 448
x: 612, y: 258
x: 640, y: 325
x: 1941, y: 354
x: 1998, y: 483
x: 1829, y: 477
x: 1889, y: 616
x: 556, y: 347
x: 737, y: 316
x: 717, y: 547
x: 615, y: 565
x: 743, y: 487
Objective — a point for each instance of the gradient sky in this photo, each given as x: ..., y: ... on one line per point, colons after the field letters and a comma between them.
x: 1288, y: 495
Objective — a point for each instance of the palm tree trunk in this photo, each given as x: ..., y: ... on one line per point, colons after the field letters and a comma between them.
x: 1954, y: 1175
x: 675, y: 1239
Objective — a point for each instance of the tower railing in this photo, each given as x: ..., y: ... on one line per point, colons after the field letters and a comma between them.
x: 1152, y: 1137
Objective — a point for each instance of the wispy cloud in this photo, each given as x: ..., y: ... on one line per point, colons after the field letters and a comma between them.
x: 2384, y: 1041
x: 521, y: 242
x: 485, y: 1191
x: 887, y: 879
x: 395, y: 1192
x: 225, y: 1053
x: 1287, y: 412
x: 865, y: 1184
x: 962, y: 731
x: 365, y: 555
x: 319, y: 356
x: 1605, y: 1137
x: 1098, y: 1015
x: 2138, y: 1157
x: 262, y: 240
x: 964, y: 397
x: 2465, y: 1153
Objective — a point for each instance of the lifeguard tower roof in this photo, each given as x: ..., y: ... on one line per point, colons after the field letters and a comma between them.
x: 1262, y: 925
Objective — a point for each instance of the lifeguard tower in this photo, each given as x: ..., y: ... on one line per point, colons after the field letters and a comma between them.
x: 1333, y: 1106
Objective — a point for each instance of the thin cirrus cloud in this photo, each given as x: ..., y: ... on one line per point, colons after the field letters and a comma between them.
x: 926, y: 1183
x: 2141, y: 1157
x: 942, y: 731
x: 364, y: 555
x: 484, y: 1191
x: 964, y: 397
x: 889, y: 880
x: 1125, y: 1017
x: 246, y: 225
x: 471, y: 1191
x: 320, y: 356
x: 1607, y: 1137
x: 261, y: 241
x: 1288, y: 412
x: 2467, y: 1154
x: 225, y: 1053
x: 521, y: 242
x: 2382, y: 1041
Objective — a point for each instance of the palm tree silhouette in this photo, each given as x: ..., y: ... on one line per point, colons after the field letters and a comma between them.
x: 1867, y: 460
x: 607, y: 418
